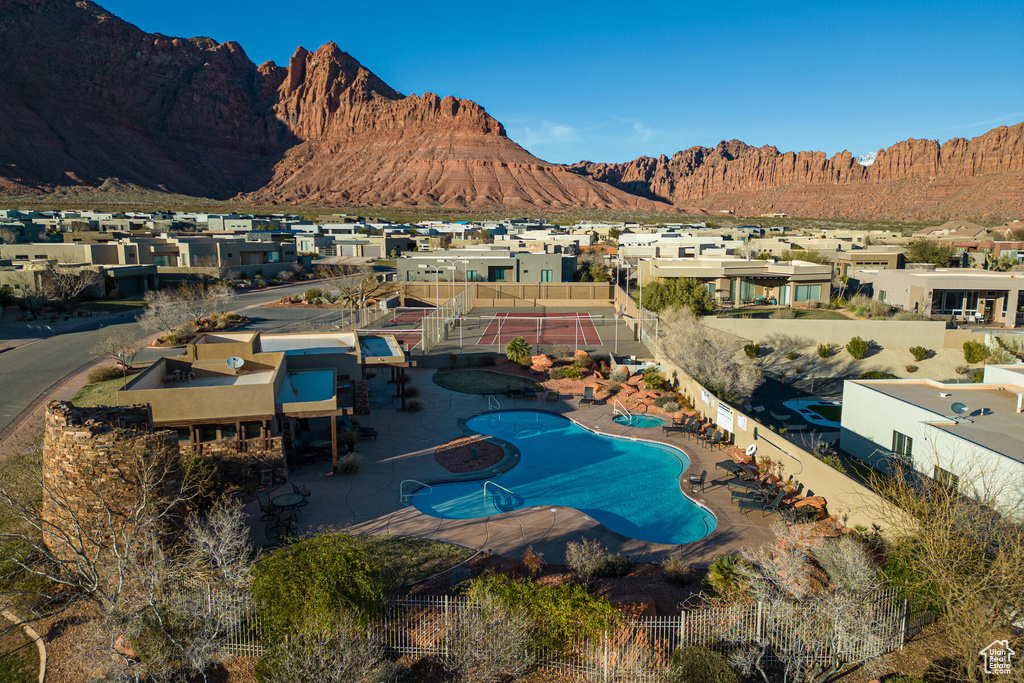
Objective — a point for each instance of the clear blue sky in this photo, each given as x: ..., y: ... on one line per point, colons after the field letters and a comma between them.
x: 611, y: 81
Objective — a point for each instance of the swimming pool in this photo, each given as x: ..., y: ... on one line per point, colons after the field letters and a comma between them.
x: 811, y: 410
x: 377, y: 347
x: 629, y: 486
x: 642, y: 421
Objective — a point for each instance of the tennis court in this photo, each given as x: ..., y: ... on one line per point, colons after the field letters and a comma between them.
x: 575, y: 328
x: 404, y: 315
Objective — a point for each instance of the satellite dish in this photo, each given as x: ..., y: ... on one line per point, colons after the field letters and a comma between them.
x: 234, y: 362
x: 751, y: 450
x: 959, y: 408
x: 981, y: 411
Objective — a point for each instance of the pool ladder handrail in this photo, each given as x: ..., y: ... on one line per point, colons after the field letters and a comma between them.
x: 404, y: 497
x: 492, y: 403
x: 619, y: 409
x: 491, y: 483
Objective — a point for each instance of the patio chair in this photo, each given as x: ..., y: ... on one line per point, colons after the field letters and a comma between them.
x: 498, y: 392
x: 716, y: 439
x: 529, y: 392
x: 304, y: 492
x: 588, y: 396
x: 730, y: 466
x: 765, y: 507
x: 699, y: 481
x: 762, y: 495
x: 269, y: 512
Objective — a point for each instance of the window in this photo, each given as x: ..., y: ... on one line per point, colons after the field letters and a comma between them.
x: 184, y: 435
x: 808, y: 292
x: 881, y: 295
x: 946, y: 478
x: 161, y: 260
x: 470, y: 275
x: 207, y: 433
x: 228, y: 432
x: 545, y: 276
x: 253, y: 430
x: 902, y: 445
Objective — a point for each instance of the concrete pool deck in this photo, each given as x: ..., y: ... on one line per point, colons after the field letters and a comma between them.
x: 368, y: 502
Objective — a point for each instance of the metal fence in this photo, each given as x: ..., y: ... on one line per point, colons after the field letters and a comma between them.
x: 438, y: 324
x: 644, y: 323
x: 637, y: 649
x: 353, y: 318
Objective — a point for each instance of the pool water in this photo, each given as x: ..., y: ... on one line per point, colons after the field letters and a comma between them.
x: 643, y: 421
x: 377, y: 346
x: 630, y: 487
x: 815, y: 411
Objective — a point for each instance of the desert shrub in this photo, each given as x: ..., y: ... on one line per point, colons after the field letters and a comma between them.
x: 907, y: 315
x: 834, y: 462
x: 614, y: 566
x: 104, y: 373
x: 182, y: 335
x: 314, y: 293
x: 879, y: 309
x: 977, y: 376
x: 561, y: 351
x: 975, y: 352
x: 910, y: 367
x: 556, y: 373
x: 533, y: 560
x: 567, y: 372
x: 813, y: 303
x: 700, y: 665
x: 783, y: 314
x: 652, y: 380
x: 620, y: 375
x: 671, y: 407
x: 518, y: 351
x: 826, y: 350
x: 662, y: 400
x: 752, y: 350
x: 350, y: 463
x: 585, y: 558
x: 919, y: 353
x: 613, y: 387
x: 877, y: 374
x: 961, y: 369
x: 560, y: 612
x: 411, y: 392
x: 792, y: 355
x: 858, y: 348
x: 840, y: 302
x: 414, y: 406
x: 676, y: 568
x: 724, y: 577
x: 310, y: 581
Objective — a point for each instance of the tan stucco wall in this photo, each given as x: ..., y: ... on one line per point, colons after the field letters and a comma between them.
x: 895, y: 333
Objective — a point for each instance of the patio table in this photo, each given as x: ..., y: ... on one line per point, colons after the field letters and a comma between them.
x: 288, y: 501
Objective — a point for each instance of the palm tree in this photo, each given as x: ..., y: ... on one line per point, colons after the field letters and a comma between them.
x: 518, y: 351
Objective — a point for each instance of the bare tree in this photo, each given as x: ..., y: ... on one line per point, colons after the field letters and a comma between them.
x: 339, y: 652
x: 69, y: 281
x: 165, y: 312
x: 8, y: 235
x: 710, y: 356
x: 490, y: 641
x: 200, y: 299
x: 961, y: 547
x: 117, y: 554
x: 119, y: 344
x: 820, y: 613
x: 357, y: 284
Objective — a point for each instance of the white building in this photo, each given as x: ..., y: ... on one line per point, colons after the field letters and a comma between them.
x: 966, y: 435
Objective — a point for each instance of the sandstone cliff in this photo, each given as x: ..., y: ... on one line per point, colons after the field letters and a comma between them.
x: 913, y: 178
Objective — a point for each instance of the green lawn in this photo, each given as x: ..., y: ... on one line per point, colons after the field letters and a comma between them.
x: 479, y: 381
x: 801, y: 313
x: 405, y: 560
x: 112, y: 306
x: 833, y: 413
x: 101, y: 393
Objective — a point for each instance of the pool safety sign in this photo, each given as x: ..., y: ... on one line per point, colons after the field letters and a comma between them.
x: 705, y: 396
x: 725, y: 416
x: 741, y: 421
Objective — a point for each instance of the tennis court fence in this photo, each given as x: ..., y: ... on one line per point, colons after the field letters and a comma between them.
x: 437, y: 323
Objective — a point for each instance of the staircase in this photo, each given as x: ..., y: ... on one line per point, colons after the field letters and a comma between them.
x: 360, y: 397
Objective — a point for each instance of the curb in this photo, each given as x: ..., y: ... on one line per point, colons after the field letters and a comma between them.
x: 31, y: 633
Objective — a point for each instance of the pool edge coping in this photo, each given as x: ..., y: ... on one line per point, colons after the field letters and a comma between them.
x: 500, y: 468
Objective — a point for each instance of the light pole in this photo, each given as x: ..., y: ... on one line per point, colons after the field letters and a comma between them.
x: 640, y: 301
x: 455, y: 270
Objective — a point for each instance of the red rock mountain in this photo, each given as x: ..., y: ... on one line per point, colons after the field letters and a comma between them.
x: 911, y: 179
x: 90, y: 101
x: 85, y: 97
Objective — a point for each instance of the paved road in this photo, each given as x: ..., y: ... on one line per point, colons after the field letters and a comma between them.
x: 28, y: 371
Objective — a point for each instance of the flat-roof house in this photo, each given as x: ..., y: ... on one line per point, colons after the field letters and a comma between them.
x: 737, y: 281
x: 966, y: 294
x: 243, y: 396
x: 968, y: 436
x: 486, y: 265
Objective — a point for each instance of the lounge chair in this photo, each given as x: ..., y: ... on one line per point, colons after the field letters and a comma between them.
x: 367, y: 433
x: 763, y: 495
x: 672, y: 429
x: 301, y: 490
x: 699, y: 481
x: 499, y: 392
x: 747, y: 484
x: 529, y: 392
x: 588, y: 396
x: 765, y: 507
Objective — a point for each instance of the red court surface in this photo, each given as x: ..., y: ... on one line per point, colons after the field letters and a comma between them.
x: 540, y: 328
x: 405, y: 316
